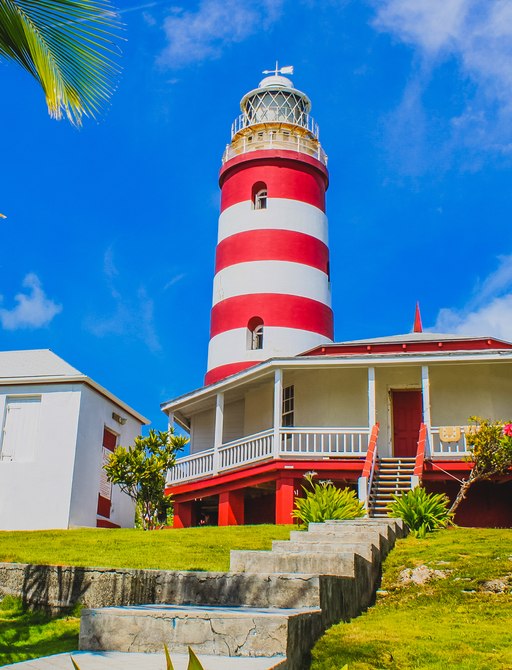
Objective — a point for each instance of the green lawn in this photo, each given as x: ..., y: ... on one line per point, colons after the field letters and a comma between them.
x: 205, y: 548
x: 442, y: 625
x: 25, y: 635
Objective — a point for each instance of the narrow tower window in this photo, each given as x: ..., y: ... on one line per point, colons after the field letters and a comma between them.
x: 255, y: 333
x: 259, y: 195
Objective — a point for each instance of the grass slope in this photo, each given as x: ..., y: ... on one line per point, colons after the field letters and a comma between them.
x: 447, y: 623
x: 205, y: 548
x: 25, y: 634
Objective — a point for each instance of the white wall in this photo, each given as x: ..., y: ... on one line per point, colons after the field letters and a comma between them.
x: 259, y: 409
x: 233, y: 420
x: 460, y: 391
x: 95, y: 415
x: 202, y: 426
x: 36, y: 495
x: 330, y: 397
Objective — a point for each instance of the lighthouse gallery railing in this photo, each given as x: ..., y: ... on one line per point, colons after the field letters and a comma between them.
x: 294, y: 443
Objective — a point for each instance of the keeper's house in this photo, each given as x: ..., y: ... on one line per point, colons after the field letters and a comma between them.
x: 58, y: 428
x: 281, y: 398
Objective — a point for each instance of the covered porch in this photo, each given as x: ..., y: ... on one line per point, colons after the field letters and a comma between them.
x: 278, y: 422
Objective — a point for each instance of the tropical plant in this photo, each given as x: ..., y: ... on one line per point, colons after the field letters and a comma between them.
x: 423, y: 512
x: 324, y: 501
x: 140, y: 472
x: 69, y: 46
x: 193, y: 661
x: 490, y: 451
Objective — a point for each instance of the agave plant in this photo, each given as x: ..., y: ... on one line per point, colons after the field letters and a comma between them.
x: 193, y: 661
x: 423, y: 512
x: 324, y: 501
x: 68, y: 46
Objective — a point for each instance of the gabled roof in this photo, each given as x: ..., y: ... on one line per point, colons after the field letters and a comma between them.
x: 42, y: 366
x: 410, y: 342
x: 34, y: 363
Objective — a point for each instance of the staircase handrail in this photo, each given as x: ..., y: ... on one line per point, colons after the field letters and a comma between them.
x: 420, y: 452
x: 371, y: 459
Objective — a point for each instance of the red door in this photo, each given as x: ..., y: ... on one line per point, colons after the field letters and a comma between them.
x: 407, y: 417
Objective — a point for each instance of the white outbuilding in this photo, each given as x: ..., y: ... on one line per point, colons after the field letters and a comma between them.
x: 58, y: 428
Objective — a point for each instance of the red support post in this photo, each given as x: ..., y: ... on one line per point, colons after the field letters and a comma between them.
x: 285, y: 497
x: 231, y: 508
x: 183, y: 514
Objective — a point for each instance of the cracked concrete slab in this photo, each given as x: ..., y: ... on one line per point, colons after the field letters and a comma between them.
x: 108, y: 660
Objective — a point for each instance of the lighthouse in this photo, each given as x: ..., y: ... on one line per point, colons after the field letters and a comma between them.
x: 271, y: 290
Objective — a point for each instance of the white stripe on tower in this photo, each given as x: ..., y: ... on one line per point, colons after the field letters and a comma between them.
x: 271, y: 277
x: 232, y: 344
x: 281, y: 214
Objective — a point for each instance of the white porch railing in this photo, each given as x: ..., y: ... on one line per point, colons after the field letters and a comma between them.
x: 447, y: 449
x: 191, y: 467
x: 311, y: 442
x: 249, y: 450
x: 294, y: 443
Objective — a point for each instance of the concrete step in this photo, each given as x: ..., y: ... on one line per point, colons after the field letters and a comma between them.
x: 220, y: 631
x: 341, y: 564
x: 334, y: 545
x: 115, y: 660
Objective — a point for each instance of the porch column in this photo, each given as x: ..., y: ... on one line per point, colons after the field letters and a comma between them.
x: 285, y: 496
x: 231, y: 508
x: 278, y: 410
x: 183, y: 512
x: 425, y: 387
x: 219, y: 429
x: 372, y: 412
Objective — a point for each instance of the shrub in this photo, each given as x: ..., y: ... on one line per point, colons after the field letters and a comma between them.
x: 324, y: 501
x: 490, y: 450
x: 423, y: 512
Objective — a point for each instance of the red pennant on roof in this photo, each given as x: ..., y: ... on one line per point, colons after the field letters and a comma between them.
x: 418, y: 328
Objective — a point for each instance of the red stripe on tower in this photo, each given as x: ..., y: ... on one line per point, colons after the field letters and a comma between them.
x: 271, y: 289
x: 285, y: 174
x: 272, y: 245
x: 280, y: 310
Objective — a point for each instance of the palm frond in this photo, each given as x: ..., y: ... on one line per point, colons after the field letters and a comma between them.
x: 69, y: 46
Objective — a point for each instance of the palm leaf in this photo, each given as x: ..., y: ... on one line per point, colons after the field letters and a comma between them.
x: 68, y: 46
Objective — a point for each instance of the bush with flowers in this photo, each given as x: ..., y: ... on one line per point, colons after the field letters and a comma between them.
x: 490, y: 451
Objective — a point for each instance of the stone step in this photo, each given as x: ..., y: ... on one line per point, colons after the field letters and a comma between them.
x: 341, y: 564
x: 367, y: 550
x: 116, y: 660
x: 378, y: 540
x: 220, y: 631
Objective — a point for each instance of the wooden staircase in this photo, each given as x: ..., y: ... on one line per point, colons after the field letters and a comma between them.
x: 392, y: 477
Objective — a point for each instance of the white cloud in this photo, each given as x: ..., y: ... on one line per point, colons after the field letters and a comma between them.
x: 477, y: 34
x: 33, y: 308
x: 194, y: 36
x: 489, y: 312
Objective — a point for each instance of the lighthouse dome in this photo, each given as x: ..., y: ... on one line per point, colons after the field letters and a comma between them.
x: 275, y: 101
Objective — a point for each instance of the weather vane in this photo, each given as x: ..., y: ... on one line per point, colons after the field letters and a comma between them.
x: 287, y: 69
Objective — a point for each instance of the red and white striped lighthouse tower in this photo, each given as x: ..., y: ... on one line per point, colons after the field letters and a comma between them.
x: 271, y: 292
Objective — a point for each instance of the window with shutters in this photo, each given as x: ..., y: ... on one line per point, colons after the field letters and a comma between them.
x: 20, y: 428
x: 288, y: 406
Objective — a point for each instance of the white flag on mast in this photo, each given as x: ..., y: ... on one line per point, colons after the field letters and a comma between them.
x: 287, y: 69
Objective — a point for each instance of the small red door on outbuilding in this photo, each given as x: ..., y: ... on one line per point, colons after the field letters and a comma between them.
x: 407, y: 416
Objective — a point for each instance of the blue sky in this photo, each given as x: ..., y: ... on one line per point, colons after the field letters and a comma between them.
x: 107, y: 252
